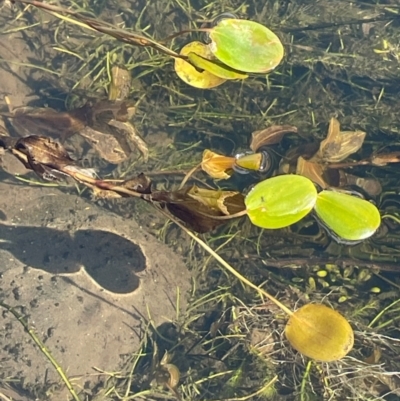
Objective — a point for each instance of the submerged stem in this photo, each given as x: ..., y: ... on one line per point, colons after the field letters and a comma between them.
x: 228, y: 267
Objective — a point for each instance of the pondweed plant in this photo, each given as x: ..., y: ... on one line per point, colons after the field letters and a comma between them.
x: 347, y: 70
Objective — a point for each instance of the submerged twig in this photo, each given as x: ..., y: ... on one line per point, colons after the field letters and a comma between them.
x: 122, y: 35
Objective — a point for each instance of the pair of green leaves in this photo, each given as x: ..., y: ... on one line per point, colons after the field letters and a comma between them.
x: 237, y: 47
x: 284, y: 200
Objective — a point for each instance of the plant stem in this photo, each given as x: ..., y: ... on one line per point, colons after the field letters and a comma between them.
x: 228, y: 267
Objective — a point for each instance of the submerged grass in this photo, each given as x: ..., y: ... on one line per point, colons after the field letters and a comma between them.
x: 229, y: 344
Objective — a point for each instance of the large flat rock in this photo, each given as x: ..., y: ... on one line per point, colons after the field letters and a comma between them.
x: 86, y: 279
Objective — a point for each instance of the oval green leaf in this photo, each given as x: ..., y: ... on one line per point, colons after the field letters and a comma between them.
x: 280, y: 201
x: 189, y: 74
x: 349, y: 217
x: 320, y: 332
x: 246, y: 45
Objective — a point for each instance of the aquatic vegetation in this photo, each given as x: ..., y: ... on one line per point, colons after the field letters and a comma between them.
x: 204, y: 79
x: 272, y: 203
x: 348, y: 216
x: 238, y: 46
x: 246, y: 45
x: 320, y: 333
x: 280, y: 201
x: 349, y: 78
x: 284, y: 200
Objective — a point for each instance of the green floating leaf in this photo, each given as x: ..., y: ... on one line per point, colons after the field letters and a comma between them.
x: 320, y: 332
x: 349, y: 217
x: 189, y: 74
x: 246, y: 45
x: 280, y: 201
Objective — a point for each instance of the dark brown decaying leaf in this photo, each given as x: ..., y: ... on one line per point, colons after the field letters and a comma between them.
x: 288, y: 164
x: 370, y: 185
x: 133, y: 138
x: 200, y: 208
x: 270, y: 136
x: 319, y: 163
x: 108, y: 147
x: 104, y: 124
x: 45, y: 121
x: 45, y: 157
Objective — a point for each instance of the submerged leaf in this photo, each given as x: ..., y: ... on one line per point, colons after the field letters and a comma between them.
x: 246, y: 45
x: 339, y: 145
x: 371, y: 186
x: 349, y: 217
x: 226, y: 202
x: 189, y: 74
x: 45, y: 121
x: 120, y: 85
x: 280, y: 201
x: 104, y: 124
x: 383, y: 159
x: 270, y: 136
x: 47, y: 158
x: 106, y: 145
x: 311, y: 170
x: 200, y: 208
x: 320, y: 332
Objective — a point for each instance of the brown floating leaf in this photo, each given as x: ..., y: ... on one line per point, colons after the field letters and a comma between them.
x: 217, y: 166
x: 270, y: 136
x: 339, y: 145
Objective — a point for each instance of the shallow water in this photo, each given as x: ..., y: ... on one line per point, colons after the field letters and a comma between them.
x: 335, y: 65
